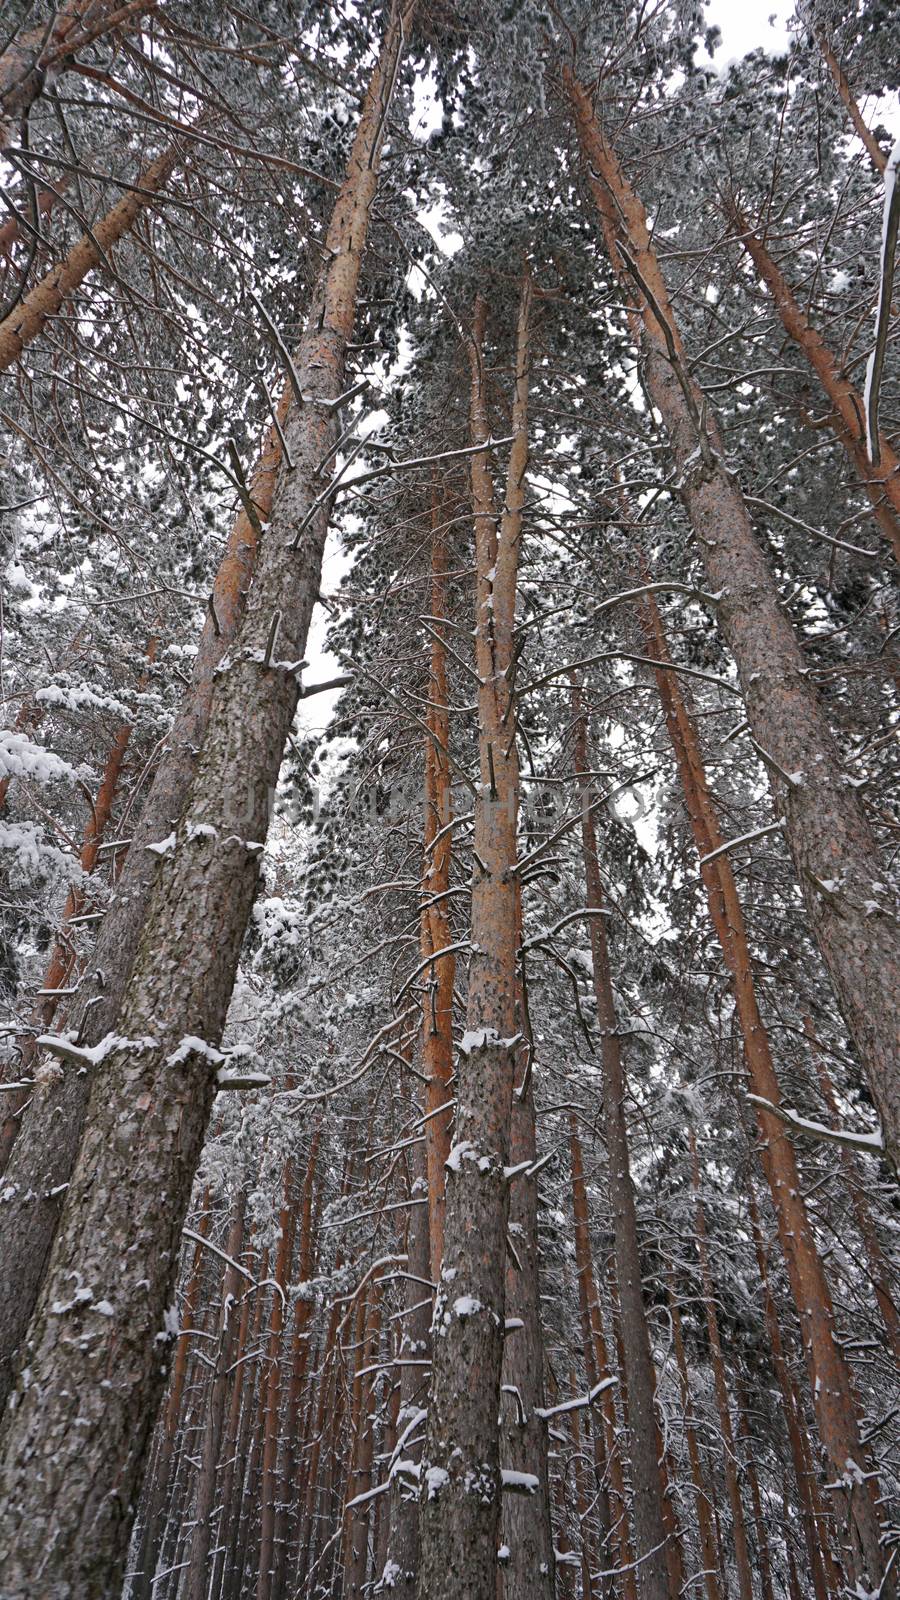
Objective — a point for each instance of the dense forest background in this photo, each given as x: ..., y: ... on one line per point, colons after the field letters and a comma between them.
x: 450, y: 1054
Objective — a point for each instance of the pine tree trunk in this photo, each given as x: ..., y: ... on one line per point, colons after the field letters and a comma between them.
x: 833, y: 848
x: 878, y: 1269
x: 823, y: 1578
x: 617, y: 1521
x: 288, y: 1509
x: 527, y: 1573
x: 58, y: 970
x: 197, y: 1578
x: 359, y: 1477
x: 881, y: 483
x: 33, y: 60
x: 44, y: 1156
x: 706, y: 1536
x: 461, y: 1485
x: 28, y: 319
x: 402, y: 1562
x: 151, y: 1100
x: 647, y: 1509
x: 723, y: 1402
x: 436, y: 934
x: 833, y: 1397
x: 763, y: 1559
x: 272, y: 1387
x: 154, y: 1521
x: 861, y: 128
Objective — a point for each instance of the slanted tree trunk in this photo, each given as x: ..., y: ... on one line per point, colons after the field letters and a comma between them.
x: 27, y: 320
x: 151, y: 1099
x: 359, y: 1476
x: 824, y: 1578
x: 60, y: 967
x: 228, y: 1499
x: 35, y: 58
x: 647, y: 1508
x: 832, y: 1390
x: 878, y: 1268
x: 44, y: 1156
x: 833, y: 848
x: 841, y: 83
x: 763, y: 1558
x: 460, y: 1490
x: 882, y: 482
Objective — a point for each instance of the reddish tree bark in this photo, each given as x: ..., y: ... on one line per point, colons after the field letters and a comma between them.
x: 833, y: 1397
x: 706, y: 1534
x: 153, y: 1099
x: 598, y: 1371
x: 37, y: 56
x: 436, y: 933
x: 833, y: 848
x: 647, y: 1507
x: 881, y: 483
x: 459, y: 1524
x: 841, y: 83
x: 723, y: 1400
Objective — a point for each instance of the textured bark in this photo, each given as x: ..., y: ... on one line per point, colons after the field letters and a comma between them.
x: 436, y: 934
x: 647, y: 1508
x: 415, y: 1345
x: 861, y: 128
x: 460, y: 1499
x: 706, y: 1535
x: 22, y: 326
x: 70, y: 1444
x: 878, y: 1268
x: 197, y: 1579
x: 723, y: 1400
x: 44, y: 1156
x: 35, y: 58
x: 527, y: 1573
x: 59, y: 968
x: 154, y: 1519
x: 831, y: 842
x: 362, y: 1424
x: 824, y: 1579
x: 833, y: 1397
x: 598, y: 1370
x: 881, y: 483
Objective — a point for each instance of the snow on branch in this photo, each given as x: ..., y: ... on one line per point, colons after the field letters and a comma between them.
x: 743, y: 838
x: 20, y: 757
x: 579, y: 1403
x: 872, y: 1142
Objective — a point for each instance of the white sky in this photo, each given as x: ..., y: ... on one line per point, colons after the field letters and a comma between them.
x: 747, y: 24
